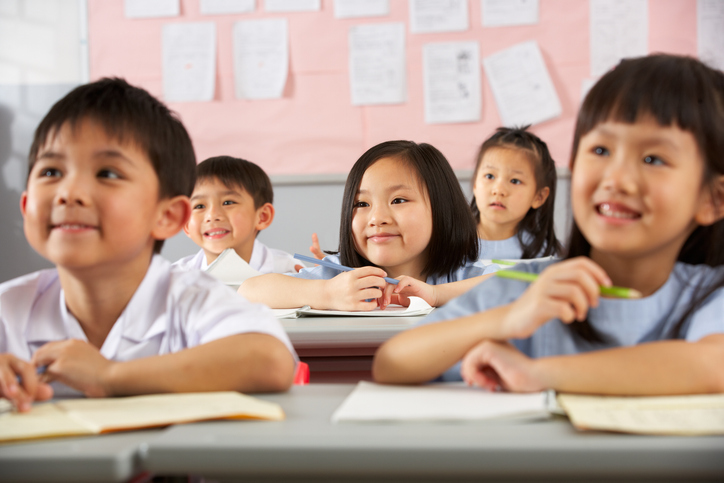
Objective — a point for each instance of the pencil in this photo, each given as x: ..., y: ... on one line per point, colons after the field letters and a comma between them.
x: 617, y: 292
x: 502, y: 262
x: 336, y: 266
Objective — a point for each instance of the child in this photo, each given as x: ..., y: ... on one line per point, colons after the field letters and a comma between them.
x: 514, y: 189
x: 231, y: 204
x: 647, y: 190
x: 110, y: 173
x: 403, y: 216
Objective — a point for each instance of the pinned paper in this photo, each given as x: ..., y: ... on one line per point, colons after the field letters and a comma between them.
x: 189, y: 61
x: 452, y: 82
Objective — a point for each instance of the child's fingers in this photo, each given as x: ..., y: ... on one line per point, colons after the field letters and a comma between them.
x: 369, y: 293
x: 573, y: 295
x: 12, y: 390
x: 26, y: 372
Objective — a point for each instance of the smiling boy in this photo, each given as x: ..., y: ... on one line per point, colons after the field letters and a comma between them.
x: 231, y: 204
x: 110, y: 173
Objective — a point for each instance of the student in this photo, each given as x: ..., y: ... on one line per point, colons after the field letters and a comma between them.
x: 110, y: 173
x: 403, y: 216
x: 230, y: 205
x: 514, y: 190
x: 647, y: 190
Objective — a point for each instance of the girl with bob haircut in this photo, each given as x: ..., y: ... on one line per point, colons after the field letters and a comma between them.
x: 514, y: 191
x: 647, y: 192
x: 404, y: 216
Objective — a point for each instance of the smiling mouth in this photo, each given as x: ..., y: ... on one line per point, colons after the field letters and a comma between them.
x: 72, y: 226
x: 216, y: 233
x: 497, y: 205
x: 618, y: 211
x: 381, y: 237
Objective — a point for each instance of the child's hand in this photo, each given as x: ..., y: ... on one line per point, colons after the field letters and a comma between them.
x: 496, y: 365
x: 408, y: 287
x: 565, y: 291
x: 28, y: 389
x: 315, y: 248
x: 351, y: 290
x: 77, y: 364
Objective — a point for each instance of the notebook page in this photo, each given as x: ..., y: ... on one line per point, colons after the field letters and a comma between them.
x: 683, y: 415
x: 45, y: 420
x: 417, y: 307
x: 114, y: 414
x: 436, y: 402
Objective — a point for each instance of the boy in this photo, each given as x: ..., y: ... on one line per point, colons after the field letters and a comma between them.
x: 110, y: 173
x: 231, y: 204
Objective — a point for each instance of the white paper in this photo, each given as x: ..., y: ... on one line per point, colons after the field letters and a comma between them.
x: 452, y: 82
x: 521, y: 86
x: 292, y: 5
x: 231, y: 269
x: 438, y: 16
x: 220, y: 7
x: 619, y: 29
x: 151, y: 8
x: 377, y: 64
x: 361, y: 8
x: 417, y: 307
x: 437, y: 402
x: 710, y: 32
x: 261, y: 58
x: 189, y: 61
x: 503, y: 13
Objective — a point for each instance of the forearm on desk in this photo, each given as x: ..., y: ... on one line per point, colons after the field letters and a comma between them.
x: 657, y: 368
x: 423, y: 353
x: 445, y: 292
x: 250, y: 362
x: 284, y: 292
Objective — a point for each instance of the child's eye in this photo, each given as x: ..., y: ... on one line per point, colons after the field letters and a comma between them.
x: 398, y: 201
x: 488, y: 176
x: 361, y: 204
x: 228, y: 202
x: 199, y: 207
x: 516, y: 181
x: 49, y: 173
x: 654, y: 160
x: 600, y: 151
x: 108, y: 173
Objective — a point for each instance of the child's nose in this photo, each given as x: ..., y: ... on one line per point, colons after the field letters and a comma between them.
x: 73, y: 190
x: 621, y: 175
x: 213, y: 213
x: 499, y: 187
x: 379, y: 215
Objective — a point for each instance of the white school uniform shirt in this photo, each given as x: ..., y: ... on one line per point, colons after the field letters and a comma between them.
x: 621, y: 322
x: 172, y: 309
x: 263, y: 260
x: 469, y: 270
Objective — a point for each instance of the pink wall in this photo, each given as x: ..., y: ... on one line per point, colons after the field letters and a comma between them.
x: 314, y: 128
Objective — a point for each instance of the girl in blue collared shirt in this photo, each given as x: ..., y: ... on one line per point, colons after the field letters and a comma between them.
x: 647, y: 192
x: 404, y: 216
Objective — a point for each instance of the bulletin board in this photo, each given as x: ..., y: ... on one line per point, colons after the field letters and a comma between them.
x: 314, y: 128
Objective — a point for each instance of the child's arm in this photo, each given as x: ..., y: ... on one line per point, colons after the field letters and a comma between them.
x: 563, y: 291
x: 656, y: 368
x: 347, y: 291
x: 435, y: 295
x: 20, y: 384
x: 249, y: 362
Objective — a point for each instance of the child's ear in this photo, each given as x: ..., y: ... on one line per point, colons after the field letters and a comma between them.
x: 23, y: 203
x: 174, y: 214
x: 264, y: 216
x: 540, y: 198
x: 711, y: 206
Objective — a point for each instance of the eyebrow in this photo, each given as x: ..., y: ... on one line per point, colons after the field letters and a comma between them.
x: 225, y: 193
x: 391, y: 188
x: 103, y: 153
x: 514, y: 171
x: 652, y: 140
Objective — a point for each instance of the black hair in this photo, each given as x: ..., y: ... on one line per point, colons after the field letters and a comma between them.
x: 673, y: 90
x: 130, y: 115
x: 454, y: 240
x: 238, y: 173
x: 539, y: 222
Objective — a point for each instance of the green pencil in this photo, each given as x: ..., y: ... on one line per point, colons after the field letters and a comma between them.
x: 502, y: 262
x: 618, y: 292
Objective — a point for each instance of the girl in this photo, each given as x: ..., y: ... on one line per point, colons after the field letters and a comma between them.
x: 647, y: 190
x: 403, y: 216
x: 514, y: 190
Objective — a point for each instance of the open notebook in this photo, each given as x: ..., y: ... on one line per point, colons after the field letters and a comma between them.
x: 417, y: 307
x: 231, y: 269
x: 76, y: 417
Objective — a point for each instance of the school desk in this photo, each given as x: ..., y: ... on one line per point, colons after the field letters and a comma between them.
x: 308, y: 447
x: 340, y: 349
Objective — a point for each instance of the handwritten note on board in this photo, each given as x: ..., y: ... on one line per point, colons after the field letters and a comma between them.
x: 151, y: 8
x: 438, y: 16
x: 710, y: 32
x: 619, y: 29
x: 521, y: 86
x: 361, y: 8
x: 261, y: 58
x: 452, y: 82
x: 189, y: 61
x: 221, y: 7
x: 503, y: 13
x: 292, y: 5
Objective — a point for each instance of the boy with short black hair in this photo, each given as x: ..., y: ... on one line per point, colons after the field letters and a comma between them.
x: 110, y: 173
x: 231, y: 204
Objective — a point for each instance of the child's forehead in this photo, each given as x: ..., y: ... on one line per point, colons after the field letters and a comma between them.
x: 215, y: 185
x: 391, y: 173
x: 88, y: 131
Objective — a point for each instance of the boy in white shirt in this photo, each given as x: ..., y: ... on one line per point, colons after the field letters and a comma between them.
x: 111, y: 169
x: 231, y: 204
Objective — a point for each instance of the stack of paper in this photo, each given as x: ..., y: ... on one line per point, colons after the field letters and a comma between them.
x: 75, y: 417
x: 417, y: 307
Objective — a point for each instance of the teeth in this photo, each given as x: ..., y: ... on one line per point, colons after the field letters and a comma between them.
x: 217, y: 232
x: 71, y: 227
x: 605, y: 210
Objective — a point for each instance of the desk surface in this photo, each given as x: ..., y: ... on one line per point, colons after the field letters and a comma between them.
x: 307, y: 446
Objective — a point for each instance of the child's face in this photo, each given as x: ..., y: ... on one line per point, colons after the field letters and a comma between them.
x: 392, y: 219
x: 91, y: 201
x: 221, y: 218
x: 636, y: 189
x: 505, y: 189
